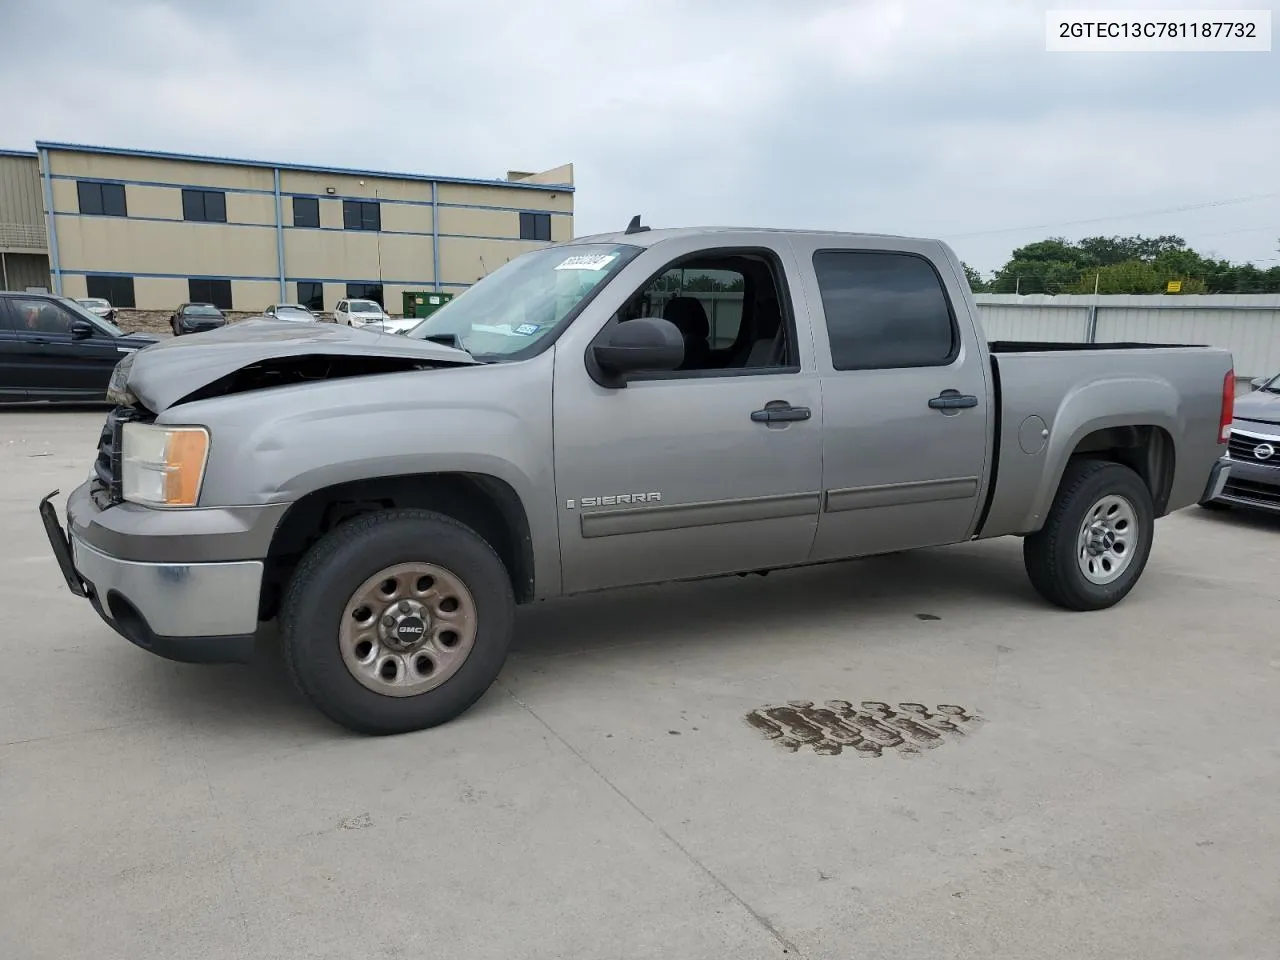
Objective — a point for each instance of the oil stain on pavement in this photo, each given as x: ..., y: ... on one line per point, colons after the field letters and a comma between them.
x: 868, y: 729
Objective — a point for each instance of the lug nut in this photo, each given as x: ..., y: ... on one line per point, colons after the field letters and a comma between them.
x: 405, y: 606
x: 388, y: 621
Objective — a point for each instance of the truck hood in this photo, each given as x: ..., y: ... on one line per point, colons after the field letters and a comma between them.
x: 259, y: 354
x: 1261, y: 406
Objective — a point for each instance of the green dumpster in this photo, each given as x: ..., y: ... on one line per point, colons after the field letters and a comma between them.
x: 419, y: 304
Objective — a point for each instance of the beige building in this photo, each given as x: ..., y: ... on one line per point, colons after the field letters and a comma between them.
x: 152, y: 230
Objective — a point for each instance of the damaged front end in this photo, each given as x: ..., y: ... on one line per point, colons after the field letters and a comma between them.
x: 262, y: 354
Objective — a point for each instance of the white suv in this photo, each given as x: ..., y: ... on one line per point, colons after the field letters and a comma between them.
x: 358, y: 313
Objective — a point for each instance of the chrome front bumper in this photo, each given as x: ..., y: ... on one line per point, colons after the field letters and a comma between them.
x: 195, y: 612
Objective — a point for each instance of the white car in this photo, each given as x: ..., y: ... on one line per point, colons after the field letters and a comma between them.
x: 98, y: 307
x: 398, y: 325
x: 289, y: 311
x: 359, y: 313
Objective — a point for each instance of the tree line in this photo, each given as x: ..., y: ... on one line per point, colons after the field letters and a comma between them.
x: 1120, y: 265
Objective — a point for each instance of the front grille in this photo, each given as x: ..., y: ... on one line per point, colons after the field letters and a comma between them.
x: 106, y: 487
x: 1242, y: 447
x: 1261, y: 493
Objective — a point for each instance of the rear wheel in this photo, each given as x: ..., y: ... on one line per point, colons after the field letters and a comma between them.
x: 1095, y: 542
x: 397, y: 621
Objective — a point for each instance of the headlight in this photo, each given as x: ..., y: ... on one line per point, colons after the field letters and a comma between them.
x: 161, y: 465
x: 117, y: 391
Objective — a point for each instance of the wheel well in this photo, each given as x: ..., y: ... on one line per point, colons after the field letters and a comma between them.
x: 1147, y: 450
x: 487, y: 505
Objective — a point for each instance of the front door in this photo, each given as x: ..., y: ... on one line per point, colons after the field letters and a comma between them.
x: 671, y: 476
x: 906, y: 399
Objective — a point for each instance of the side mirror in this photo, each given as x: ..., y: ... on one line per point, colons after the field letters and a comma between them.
x: 1257, y: 383
x: 81, y: 330
x: 645, y: 343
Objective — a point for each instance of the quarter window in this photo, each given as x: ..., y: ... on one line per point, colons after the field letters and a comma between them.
x: 209, y: 206
x: 101, y: 199
x: 884, y: 310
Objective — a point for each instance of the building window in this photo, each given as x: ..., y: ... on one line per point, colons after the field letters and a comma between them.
x: 306, y: 212
x: 535, y: 226
x: 117, y: 291
x: 366, y: 291
x: 217, y: 292
x: 311, y: 294
x: 884, y: 310
x: 101, y: 199
x: 208, y: 206
x: 361, y: 215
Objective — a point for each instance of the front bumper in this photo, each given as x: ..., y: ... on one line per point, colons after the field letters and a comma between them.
x: 192, y: 612
x: 1245, y: 484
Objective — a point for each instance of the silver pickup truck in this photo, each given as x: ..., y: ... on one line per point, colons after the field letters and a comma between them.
x: 629, y: 408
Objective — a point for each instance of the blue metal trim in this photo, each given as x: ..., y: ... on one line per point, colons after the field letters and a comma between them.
x: 300, y: 167
x: 416, y: 282
x: 435, y: 235
x: 51, y: 220
x: 199, y: 223
x: 169, y: 185
x: 18, y: 153
x: 481, y: 206
x: 284, y: 294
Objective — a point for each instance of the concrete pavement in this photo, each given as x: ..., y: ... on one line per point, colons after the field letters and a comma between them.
x: 607, y: 797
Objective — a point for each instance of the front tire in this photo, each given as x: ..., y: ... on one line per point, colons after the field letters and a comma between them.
x: 397, y: 621
x: 1096, y: 540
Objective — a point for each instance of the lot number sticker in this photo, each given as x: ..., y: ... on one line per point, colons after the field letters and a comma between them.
x: 588, y: 261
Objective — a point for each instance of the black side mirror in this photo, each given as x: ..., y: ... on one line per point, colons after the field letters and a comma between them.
x: 81, y: 330
x: 645, y: 343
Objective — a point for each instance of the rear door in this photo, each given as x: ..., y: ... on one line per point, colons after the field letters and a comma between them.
x: 905, y: 395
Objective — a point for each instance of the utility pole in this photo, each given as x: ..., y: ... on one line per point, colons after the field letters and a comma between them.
x: 1017, y: 286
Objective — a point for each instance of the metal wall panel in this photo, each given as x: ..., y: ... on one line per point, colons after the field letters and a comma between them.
x: 21, y: 205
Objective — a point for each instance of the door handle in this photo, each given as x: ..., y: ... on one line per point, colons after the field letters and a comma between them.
x: 953, y: 400
x: 779, y: 411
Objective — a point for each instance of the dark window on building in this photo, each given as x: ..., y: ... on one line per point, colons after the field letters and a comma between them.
x: 217, y: 292
x: 366, y: 291
x: 535, y: 226
x: 306, y: 212
x: 311, y: 294
x: 101, y: 199
x: 361, y: 215
x: 117, y: 291
x: 884, y: 310
x: 209, y: 206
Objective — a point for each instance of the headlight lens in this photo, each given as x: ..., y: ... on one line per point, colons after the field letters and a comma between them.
x: 163, y: 465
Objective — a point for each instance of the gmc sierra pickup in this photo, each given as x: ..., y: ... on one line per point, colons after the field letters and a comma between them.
x: 621, y: 409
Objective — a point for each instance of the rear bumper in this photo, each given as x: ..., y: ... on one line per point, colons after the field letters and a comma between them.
x: 1245, y: 484
x: 192, y: 612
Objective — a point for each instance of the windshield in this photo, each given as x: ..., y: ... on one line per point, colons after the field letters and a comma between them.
x: 91, y: 302
x: 523, y: 301
x: 287, y: 308
x: 202, y: 310
x: 79, y: 310
x: 364, y: 306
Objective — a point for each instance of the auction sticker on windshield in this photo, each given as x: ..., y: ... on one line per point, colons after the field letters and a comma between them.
x: 588, y: 261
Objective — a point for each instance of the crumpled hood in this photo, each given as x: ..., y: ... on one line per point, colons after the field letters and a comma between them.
x: 1260, y: 405
x: 166, y: 372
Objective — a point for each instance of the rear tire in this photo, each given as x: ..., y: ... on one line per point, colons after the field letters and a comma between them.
x: 1096, y: 540
x: 340, y: 638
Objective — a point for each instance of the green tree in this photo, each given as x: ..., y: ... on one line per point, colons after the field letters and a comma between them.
x: 976, y: 283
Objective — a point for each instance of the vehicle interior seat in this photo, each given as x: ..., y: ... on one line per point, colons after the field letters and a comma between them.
x: 766, y: 349
x: 691, y: 320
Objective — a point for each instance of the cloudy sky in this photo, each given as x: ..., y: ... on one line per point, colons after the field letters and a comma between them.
x: 925, y: 117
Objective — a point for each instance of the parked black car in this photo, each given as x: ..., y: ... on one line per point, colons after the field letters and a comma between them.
x: 195, y: 318
x: 52, y: 348
x: 1252, y: 463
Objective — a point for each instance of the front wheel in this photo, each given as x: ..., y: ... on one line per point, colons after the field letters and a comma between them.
x: 1096, y: 540
x: 397, y: 621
